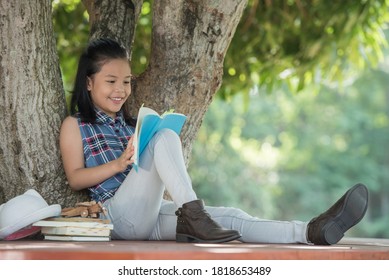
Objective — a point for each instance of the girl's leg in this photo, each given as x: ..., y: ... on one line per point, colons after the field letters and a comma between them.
x: 135, y: 207
x: 326, y: 229
x: 253, y: 230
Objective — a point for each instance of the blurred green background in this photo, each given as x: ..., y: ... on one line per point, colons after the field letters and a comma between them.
x: 303, y: 112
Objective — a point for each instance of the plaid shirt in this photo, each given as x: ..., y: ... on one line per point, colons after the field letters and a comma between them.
x: 104, y: 141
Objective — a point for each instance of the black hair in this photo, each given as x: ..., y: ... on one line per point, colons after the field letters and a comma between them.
x: 92, y: 59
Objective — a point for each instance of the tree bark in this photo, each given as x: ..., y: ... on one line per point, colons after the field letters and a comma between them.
x: 114, y: 19
x: 32, y: 103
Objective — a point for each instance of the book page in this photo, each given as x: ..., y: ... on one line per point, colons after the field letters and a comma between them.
x: 149, y: 122
x: 143, y: 111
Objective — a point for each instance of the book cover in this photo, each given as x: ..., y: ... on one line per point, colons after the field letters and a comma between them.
x: 75, y: 222
x: 75, y: 231
x: 150, y: 122
x: 76, y: 238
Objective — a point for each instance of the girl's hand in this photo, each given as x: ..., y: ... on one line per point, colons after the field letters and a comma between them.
x: 126, y: 158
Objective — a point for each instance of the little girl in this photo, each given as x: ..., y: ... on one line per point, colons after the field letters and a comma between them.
x: 96, y: 147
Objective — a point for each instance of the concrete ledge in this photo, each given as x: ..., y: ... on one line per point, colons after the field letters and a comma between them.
x: 347, y: 249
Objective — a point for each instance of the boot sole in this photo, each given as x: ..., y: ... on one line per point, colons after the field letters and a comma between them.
x: 192, y: 239
x: 353, y: 210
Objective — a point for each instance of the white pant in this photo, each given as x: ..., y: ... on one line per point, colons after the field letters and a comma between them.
x: 139, y: 212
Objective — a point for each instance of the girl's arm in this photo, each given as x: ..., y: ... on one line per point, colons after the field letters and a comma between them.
x: 80, y: 177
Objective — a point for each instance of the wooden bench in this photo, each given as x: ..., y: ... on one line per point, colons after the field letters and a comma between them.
x: 347, y: 249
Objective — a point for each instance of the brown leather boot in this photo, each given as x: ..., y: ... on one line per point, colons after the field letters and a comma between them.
x: 194, y: 224
x: 329, y: 227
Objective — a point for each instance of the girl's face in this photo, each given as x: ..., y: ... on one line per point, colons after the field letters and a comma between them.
x: 110, y: 87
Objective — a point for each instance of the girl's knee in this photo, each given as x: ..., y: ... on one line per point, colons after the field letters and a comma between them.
x: 167, y: 132
x: 167, y: 136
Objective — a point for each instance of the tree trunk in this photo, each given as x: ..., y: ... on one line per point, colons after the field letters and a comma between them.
x: 32, y: 103
x: 189, y: 42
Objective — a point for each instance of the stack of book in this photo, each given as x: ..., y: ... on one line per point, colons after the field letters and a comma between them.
x: 75, y: 229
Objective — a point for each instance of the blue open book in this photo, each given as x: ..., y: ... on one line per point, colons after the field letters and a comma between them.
x: 150, y: 122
